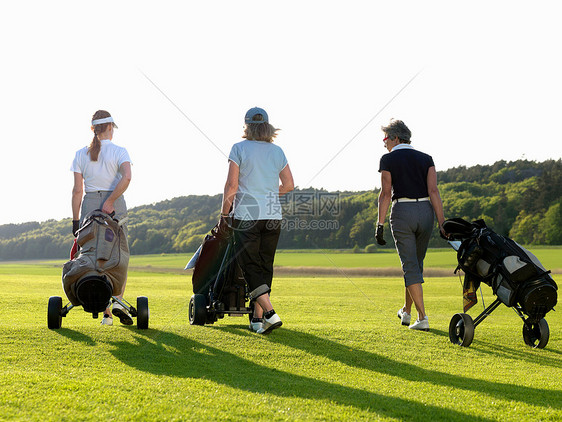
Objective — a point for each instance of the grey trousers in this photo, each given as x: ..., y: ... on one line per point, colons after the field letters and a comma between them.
x: 94, y: 201
x: 411, y: 224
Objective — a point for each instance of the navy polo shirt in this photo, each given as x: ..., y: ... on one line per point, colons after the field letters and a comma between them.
x: 408, y: 169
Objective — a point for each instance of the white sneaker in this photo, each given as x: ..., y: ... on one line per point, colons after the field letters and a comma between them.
x: 107, y: 320
x: 405, y: 317
x: 270, y: 324
x: 256, y: 326
x: 422, y: 325
x: 121, y: 313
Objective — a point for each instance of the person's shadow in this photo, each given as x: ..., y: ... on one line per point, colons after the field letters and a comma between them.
x: 75, y: 335
x: 165, y: 353
x: 376, y: 363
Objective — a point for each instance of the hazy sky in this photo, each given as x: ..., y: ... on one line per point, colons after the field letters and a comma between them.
x: 487, y: 88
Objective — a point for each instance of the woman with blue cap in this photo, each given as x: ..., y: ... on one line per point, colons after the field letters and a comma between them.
x: 252, y: 191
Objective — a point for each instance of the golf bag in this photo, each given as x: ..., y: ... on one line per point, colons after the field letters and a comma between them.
x: 515, y: 275
x: 99, y: 268
x: 218, y: 282
x: 209, y: 261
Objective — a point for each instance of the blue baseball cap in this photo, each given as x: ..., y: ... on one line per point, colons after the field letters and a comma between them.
x: 253, y: 112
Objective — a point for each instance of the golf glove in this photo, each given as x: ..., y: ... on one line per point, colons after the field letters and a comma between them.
x: 379, y: 234
x: 75, y: 227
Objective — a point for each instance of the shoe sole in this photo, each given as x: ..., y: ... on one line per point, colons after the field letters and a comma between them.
x: 271, y: 328
x: 124, y: 318
x: 420, y: 329
x: 252, y: 329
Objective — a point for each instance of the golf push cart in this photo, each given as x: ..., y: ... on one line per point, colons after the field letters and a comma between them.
x: 516, y: 276
x: 219, y: 286
x: 97, y: 269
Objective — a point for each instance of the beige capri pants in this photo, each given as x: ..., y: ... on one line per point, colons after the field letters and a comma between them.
x: 94, y: 201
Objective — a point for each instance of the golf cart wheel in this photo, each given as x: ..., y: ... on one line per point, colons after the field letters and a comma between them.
x: 197, y: 310
x: 461, y: 330
x: 211, y: 318
x: 54, y: 317
x: 537, y: 335
x: 142, y: 313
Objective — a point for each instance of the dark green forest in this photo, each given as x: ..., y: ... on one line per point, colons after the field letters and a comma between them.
x: 520, y: 199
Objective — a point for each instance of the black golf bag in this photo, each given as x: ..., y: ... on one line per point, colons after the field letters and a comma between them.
x: 515, y: 275
x: 218, y: 283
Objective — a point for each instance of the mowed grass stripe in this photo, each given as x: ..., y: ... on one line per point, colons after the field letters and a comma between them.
x: 551, y: 258
x: 443, y: 258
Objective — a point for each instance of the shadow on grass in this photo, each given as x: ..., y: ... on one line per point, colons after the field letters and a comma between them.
x: 165, y: 353
x: 531, y: 356
x: 76, y: 336
x: 502, y: 351
x: 408, y: 371
x: 439, y: 333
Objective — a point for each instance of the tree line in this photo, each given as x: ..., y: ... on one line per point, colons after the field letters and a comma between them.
x: 520, y: 199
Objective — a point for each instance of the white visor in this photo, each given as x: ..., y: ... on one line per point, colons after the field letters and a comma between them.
x: 102, y: 121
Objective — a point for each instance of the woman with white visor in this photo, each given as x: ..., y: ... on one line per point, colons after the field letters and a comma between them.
x: 103, y: 171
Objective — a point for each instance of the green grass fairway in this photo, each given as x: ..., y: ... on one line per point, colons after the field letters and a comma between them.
x: 340, y: 355
x: 551, y: 258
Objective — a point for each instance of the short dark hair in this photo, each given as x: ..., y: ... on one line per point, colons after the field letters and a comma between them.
x: 397, y: 129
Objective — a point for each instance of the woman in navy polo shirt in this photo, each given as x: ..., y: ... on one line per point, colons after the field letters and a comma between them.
x: 409, y: 180
x: 252, y: 189
x: 103, y: 170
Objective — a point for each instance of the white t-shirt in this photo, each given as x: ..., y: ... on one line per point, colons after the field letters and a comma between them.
x: 102, y: 174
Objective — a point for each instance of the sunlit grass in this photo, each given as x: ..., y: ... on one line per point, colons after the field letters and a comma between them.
x: 436, y: 258
x: 444, y: 258
x: 341, y: 355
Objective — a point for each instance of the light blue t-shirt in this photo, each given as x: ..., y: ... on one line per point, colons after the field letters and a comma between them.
x: 260, y: 163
